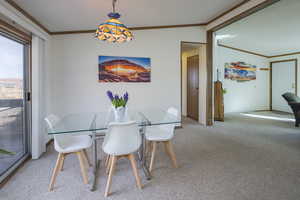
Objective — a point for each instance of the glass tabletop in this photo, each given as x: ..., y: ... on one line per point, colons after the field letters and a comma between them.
x: 99, y: 121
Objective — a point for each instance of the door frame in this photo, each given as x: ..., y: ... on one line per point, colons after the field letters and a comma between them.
x: 187, y: 94
x: 271, y: 78
x: 181, y: 44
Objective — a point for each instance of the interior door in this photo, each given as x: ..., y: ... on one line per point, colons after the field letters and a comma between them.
x: 193, y: 87
x: 283, y: 80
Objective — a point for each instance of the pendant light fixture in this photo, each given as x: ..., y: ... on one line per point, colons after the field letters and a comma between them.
x: 113, y: 30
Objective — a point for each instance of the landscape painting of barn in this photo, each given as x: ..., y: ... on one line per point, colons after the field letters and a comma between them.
x: 124, y: 69
x: 240, y: 71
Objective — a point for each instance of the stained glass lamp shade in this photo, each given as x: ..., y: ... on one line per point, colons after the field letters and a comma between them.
x: 113, y: 30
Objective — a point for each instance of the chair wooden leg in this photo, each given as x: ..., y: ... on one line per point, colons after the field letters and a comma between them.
x: 171, y: 153
x: 106, y: 160
x: 86, y: 159
x: 148, y: 147
x: 108, y: 164
x: 80, y: 155
x: 154, y: 144
x: 61, y: 167
x: 111, y: 171
x: 55, y: 171
x: 135, y: 170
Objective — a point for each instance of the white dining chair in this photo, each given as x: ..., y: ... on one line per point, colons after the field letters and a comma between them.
x: 122, y: 139
x: 67, y: 144
x: 109, y: 119
x: 162, y: 134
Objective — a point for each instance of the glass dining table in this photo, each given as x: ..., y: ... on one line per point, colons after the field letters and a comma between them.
x: 95, y: 124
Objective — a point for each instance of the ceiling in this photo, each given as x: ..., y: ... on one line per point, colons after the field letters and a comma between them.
x: 69, y: 15
x: 272, y: 31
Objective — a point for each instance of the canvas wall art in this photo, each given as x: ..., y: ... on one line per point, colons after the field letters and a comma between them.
x: 124, y: 69
x: 240, y: 71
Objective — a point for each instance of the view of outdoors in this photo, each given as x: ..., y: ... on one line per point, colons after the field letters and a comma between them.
x: 12, y: 135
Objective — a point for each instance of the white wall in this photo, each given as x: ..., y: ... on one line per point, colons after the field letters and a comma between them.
x: 74, y: 80
x: 243, y: 96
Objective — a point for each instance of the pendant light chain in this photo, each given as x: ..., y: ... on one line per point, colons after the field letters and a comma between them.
x: 113, y: 4
x: 114, y: 11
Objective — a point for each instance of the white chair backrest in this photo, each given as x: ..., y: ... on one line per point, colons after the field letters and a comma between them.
x: 60, y: 141
x: 171, y: 113
x: 51, y: 121
x: 122, y: 138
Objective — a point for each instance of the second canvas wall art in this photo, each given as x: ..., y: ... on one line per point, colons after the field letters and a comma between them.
x: 240, y: 71
x: 124, y: 69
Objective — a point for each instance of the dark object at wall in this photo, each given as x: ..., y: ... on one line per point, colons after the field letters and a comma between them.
x: 294, y: 103
x: 218, y: 102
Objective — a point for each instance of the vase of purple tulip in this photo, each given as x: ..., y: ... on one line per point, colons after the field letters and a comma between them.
x: 119, y: 105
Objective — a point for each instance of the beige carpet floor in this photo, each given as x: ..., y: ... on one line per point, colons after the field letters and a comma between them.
x: 244, y: 158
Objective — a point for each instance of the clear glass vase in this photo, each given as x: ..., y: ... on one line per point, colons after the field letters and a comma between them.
x: 120, y: 113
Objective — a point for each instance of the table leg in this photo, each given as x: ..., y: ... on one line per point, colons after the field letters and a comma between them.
x: 96, y: 163
x: 143, y: 156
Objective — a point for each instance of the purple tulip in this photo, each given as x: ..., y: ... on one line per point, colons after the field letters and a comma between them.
x: 110, y: 95
x: 126, y: 97
x: 117, y: 97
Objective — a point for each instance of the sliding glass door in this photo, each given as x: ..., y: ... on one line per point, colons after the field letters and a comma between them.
x: 14, y: 120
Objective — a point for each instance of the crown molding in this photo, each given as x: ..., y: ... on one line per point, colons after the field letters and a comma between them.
x: 188, y: 42
x: 131, y: 28
x: 26, y: 14
x: 287, y: 54
x: 243, y: 50
x: 258, y: 54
